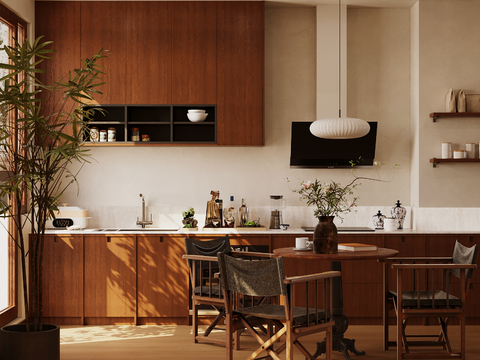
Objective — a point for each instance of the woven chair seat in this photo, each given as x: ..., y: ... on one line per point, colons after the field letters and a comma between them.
x: 409, y: 299
x: 277, y: 312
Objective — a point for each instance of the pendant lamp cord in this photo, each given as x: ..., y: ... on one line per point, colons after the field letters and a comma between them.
x: 339, y: 59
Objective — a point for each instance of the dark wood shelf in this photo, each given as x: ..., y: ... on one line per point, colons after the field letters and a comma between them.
x: 435, y: 161
x: 436, y: 115
x: 166, y: 124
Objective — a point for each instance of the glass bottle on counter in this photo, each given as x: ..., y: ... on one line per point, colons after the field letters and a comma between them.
x: 220, y: 210
x: 229, y: 215
x: 242, y: 214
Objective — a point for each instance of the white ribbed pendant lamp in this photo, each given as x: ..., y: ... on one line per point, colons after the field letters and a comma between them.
x: 339, y: 128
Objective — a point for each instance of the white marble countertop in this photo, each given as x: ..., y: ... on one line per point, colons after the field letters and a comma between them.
x: 293, y: 231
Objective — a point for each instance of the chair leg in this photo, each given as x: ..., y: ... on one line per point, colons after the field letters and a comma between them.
x: 229, y: 335
x: 289, y: 342
x: 328, y: 353
x: 399, y: 334
x: 195, y: 321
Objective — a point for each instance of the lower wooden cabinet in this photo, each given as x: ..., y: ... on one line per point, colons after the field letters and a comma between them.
x: 142, y: 279
x: 110, y: 278
x: 63, y: 279
x: 162, y: 279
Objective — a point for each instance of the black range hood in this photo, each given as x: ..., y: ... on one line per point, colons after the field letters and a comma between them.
x: 308, y: 151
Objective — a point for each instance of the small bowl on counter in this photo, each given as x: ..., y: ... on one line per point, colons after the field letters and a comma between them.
x: 284, y: 226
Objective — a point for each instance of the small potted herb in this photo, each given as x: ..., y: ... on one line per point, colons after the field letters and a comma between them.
x: 189, y: 221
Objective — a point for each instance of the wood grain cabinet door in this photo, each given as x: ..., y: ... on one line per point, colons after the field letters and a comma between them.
x: 110, y: 276
x: 148, y: 69
x: 103, y: 25
x: 194, y: 52
x: 240, y: 72
x: 63, y: 276
x: 162, y: 277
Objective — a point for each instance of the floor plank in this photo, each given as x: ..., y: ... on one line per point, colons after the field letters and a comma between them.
x: 175, y: 342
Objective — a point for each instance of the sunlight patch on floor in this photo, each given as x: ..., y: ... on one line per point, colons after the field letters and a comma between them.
x: 89, y: 334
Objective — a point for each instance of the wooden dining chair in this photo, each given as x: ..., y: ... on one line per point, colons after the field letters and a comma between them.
x: 429, y: 287
x: 242, y: 279
x: 201, y: 256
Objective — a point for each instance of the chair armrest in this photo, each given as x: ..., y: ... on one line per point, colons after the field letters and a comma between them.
x: 434, y: 266
x: 305, y: 278
x: 200, y: 257
x: 252, y: 254
x: 416, y: 258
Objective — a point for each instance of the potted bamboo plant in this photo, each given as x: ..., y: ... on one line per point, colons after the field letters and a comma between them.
x: 41, y: 134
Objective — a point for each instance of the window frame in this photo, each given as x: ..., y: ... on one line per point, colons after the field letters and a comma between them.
x: 18, y: 28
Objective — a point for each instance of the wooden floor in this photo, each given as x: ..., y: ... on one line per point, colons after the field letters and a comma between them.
x: 175, y: 342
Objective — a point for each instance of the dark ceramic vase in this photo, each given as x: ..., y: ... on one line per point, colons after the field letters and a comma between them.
x: 18, y: 344
x: 325, y: 237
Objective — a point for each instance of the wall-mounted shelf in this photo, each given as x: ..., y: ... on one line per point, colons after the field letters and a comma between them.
x: 166, y: 124
x: 436, y: 161
x: 437, y: 115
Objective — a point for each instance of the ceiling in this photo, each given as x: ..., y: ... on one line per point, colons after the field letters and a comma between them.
x: 356, y: 3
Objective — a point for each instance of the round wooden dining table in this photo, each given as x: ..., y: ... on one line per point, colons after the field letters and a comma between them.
x: 339, y: 342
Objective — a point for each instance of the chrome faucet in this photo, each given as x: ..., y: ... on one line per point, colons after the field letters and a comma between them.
x: 144, y: 220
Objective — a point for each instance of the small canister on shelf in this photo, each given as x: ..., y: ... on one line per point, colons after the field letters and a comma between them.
x: 446, y: 150
x: 112, y: 134
x: 94, y: 134
x: 459, y: 154
x: 145, y: 137
x: 135, y: 134
x: 103, y: 135
x: 470, y: 149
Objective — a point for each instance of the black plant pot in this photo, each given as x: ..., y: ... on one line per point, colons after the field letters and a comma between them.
x: 18, y: 344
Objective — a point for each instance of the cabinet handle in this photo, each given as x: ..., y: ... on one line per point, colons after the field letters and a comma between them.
x: 109, y: 239
x: 403, y: 239
x: 161, y: 239
x: 55, y: 239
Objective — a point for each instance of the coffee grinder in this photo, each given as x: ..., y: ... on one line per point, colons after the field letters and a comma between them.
x: 276, y: 205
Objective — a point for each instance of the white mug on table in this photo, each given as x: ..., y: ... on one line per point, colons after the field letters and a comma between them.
x: 302, y: 243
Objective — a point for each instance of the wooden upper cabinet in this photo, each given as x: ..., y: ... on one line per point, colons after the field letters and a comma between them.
x: 103, y: 25
x: 194, y: 52
x: 240, y: 73
x: 149, y: 61
x: 66, y: 43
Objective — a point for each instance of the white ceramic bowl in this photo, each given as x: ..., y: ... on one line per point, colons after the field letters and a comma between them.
x: 197, y: 117
x: 390, y: 224
x: 196, y: 111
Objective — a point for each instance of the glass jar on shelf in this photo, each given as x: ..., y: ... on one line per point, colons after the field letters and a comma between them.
x: 135, y: 134
x: 145, y: 137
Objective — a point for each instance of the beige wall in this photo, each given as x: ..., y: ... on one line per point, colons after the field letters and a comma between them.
x: 449, y: 56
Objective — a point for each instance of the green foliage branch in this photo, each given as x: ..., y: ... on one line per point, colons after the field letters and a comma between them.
x: 41, y: 132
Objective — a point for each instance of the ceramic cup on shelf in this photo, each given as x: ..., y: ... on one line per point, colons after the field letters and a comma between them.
x: 390, y: 224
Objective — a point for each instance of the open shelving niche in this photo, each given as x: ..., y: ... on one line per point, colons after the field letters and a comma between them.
x: 435, y: 116
x: 166, y: 124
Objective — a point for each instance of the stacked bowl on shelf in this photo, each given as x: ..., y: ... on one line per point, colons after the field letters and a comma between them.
x: 196, y: 115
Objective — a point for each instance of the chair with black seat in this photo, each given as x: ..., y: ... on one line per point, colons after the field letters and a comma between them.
x: 241, y: 278
x: 429, y: 287
x: 203, y: 267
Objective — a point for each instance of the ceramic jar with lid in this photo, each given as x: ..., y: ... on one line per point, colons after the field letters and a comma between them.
x: 398, y: 213
x: 135, y: 134
x: 94, y: 134
x: 103, y: 135
x: 112, y: 134
x: 378, y: 219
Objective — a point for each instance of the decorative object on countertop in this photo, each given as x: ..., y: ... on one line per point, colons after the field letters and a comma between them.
x: 450, y: 105
x: 398, y: 213
x: 189, y: 221
x: 103, y: 135
x: 230, y: 215
x: 212, y: 215
x: 378, y: 220
x: 219, y: 203
x: 390, y: 224
x: 284, y: 226
x: 242, y: 214
x: 277, y: 203
x: 330, y: 200
x: 94, y: 135
x: 461, y: 102
x: 447, y: 150
x: 473, y: 103
x: 35, y: 118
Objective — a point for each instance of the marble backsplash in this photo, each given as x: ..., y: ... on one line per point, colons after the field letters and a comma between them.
x: 423, y: 219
